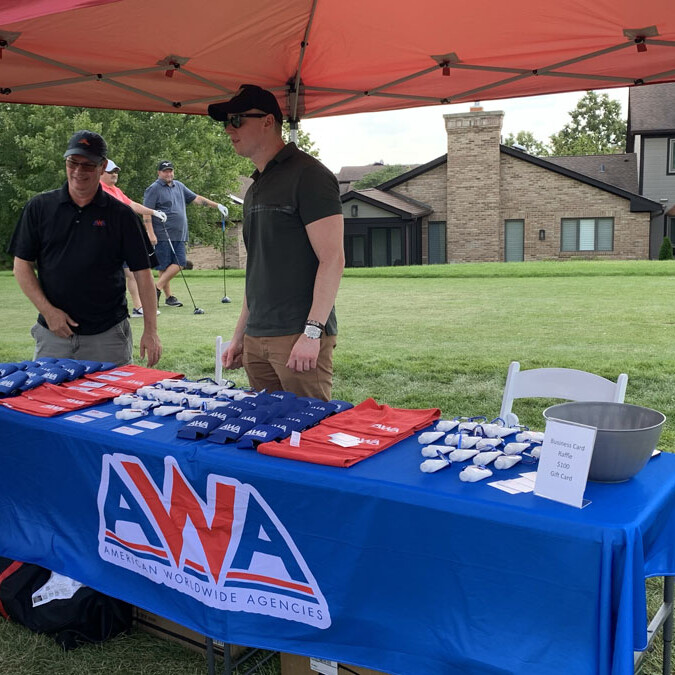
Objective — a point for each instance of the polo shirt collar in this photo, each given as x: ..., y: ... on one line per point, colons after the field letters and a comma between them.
x: 100, y: 198
x: 285, y: 153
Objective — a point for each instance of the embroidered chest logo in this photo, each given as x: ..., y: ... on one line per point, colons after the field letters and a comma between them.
x: 99, y: 222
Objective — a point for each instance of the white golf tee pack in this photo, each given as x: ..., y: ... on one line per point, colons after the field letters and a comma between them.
x: 471, y: 474
x: 446, y: 425
x: 129, y: 414
x: 435, y: 450
x: 483, y: 458
x: 165, y: 410
x: 430, y: 437
x: 487, y: 443
x: 515, y: 448
x: 462, y: 455
x: 433, y: 465
x: 506, y: 461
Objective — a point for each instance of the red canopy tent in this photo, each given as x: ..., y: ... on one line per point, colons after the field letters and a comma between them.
x: 326, y: 57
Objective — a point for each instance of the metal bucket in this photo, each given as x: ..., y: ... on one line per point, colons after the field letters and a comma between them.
x: 627, y: 435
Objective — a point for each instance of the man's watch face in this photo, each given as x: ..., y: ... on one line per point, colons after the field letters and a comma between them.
x: 313, y: 332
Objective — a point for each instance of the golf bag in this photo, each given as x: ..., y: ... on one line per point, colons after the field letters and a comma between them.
x: 88, y: 616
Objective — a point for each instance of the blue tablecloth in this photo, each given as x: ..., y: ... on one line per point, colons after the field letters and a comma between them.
x: 377, y: 565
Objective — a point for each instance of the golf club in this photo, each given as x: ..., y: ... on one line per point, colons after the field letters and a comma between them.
x: 197, y: 310
x: 225, y: 298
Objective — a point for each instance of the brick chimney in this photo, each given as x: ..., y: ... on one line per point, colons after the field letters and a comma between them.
x: 474, y: 219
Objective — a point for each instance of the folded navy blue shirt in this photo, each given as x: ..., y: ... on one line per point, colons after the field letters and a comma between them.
x: 260, y: 415
x: 240, y: 406
x: 55, y: 374
x: 341, y: 406
x: 282, y: 395
x: 46, y: 360
x: 35, y: 379
x: 259, y: 434
x: 309, y: 400
x: 287, y: 426
x: 7, y: 368
x: 201, y: 425
x: 22, y: 365
x: 74, y: 369
x: 91, y: 366
x: 10, y: 385
x: 231, y: 430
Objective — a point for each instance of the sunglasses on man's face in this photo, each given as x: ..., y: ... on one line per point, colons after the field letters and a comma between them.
x: 235, y: 120
x: 82, y: 166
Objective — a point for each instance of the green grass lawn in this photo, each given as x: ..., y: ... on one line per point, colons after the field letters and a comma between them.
x: 433, y: 336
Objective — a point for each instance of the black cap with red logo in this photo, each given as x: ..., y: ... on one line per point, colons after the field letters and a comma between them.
x: 89, y: 144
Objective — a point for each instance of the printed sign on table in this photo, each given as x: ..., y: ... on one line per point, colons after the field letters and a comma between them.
x: 564, y: 463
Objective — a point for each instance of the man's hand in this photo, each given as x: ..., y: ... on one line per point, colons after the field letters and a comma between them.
x: 151, y: 347
x: 160, y: 215
x: 304, y: 354
x: 223, y: 210
x: 231, y: 357
x: 59, y: 322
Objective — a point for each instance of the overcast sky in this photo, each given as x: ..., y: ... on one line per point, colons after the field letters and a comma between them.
x: 417, y: 135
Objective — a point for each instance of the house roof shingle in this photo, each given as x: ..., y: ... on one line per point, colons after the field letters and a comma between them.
x: 618, y: 170
x: 651, y: 108
x: 390, y: 201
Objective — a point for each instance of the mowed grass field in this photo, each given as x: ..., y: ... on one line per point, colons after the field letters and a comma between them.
x: 432, y: 336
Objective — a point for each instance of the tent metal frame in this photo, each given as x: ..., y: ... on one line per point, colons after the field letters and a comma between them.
x: 295, y: 88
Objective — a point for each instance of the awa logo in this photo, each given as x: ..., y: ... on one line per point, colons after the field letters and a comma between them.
x: 216, y: 540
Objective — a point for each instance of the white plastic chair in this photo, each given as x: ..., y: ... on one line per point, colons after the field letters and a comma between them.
x: 565, y: 383
x: 220, y: 348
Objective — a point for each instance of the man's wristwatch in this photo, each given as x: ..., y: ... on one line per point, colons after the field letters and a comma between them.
x: 313, y: 329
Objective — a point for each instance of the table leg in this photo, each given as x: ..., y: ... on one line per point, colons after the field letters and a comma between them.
x: 668, y: 583
x: 210, y: 659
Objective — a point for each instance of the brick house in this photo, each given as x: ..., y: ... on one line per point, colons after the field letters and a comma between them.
x: 483, y: 201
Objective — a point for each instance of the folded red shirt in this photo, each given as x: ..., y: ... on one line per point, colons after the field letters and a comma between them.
x: 374, y: 426
x: 131, y: 377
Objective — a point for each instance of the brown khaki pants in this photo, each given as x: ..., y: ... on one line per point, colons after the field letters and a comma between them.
x: 265, y: 359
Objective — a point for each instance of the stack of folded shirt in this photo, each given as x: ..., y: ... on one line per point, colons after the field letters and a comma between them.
x: 259, y: 418
x: 353, y: 435
x: 49, y: 386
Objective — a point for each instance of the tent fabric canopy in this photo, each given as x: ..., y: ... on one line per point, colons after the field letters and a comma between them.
x: 326, y: 57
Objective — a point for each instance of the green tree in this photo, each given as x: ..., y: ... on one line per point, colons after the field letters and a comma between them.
x: 381, y: 176
x: 304, y: 141
x: 527, y: 140
x: 596, y: 128
x: 666, y: 250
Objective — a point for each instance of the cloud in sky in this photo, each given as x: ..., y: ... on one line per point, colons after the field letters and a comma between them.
x: 417, y: 135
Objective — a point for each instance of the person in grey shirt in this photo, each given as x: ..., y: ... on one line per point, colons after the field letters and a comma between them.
x: 171, y: 197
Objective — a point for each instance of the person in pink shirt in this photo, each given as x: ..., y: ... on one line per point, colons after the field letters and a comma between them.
x: 109, y: 185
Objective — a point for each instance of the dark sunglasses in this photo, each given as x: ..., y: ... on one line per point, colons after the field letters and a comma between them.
x: 83, y: 166
x: 235, y: 120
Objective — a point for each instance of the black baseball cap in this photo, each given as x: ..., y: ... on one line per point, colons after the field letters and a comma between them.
x: 249, y: 96
x: 89, y: 144
x: 164, y: 165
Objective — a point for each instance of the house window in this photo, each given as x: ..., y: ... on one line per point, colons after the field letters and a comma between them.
x: 437, y: 243
x: 587, y: 234
x: 355, y: 210
x: 671, y: 155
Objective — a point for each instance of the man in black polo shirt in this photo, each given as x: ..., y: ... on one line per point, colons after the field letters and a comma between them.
x: 68, y: 247
x: 293, y: 232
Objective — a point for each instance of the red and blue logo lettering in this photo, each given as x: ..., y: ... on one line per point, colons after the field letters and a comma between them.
x: 227, y: 549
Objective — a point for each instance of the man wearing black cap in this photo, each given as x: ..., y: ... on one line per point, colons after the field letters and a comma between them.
x: 171, y: 196
x: 69, y: 246
x: 293, y: 232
